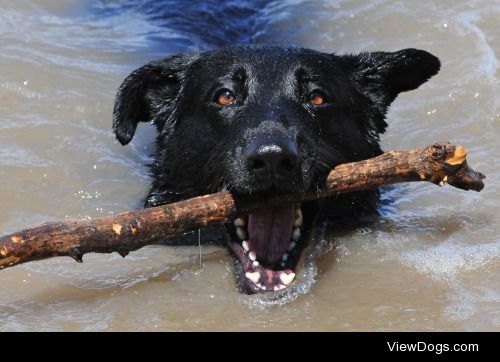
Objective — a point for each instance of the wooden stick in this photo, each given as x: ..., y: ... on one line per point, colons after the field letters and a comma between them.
x: 441, y: 163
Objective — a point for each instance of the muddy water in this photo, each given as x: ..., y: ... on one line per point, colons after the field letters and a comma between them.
x: 432, y: 262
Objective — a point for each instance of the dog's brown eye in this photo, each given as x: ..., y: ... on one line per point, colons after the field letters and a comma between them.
x: 224, y: 97
x: 317, y: 98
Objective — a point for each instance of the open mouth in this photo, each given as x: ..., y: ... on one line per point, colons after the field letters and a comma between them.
x: 267, y: 244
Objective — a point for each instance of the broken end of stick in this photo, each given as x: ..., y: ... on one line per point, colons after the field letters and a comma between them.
x: 456, y: 155
x: 457, y: 171
x: 467, y: 179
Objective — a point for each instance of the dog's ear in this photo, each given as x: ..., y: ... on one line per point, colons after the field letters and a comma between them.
x: 135, y: 101
x: 390, y: 73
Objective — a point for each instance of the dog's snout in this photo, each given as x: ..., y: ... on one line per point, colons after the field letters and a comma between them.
x: 272, y: 156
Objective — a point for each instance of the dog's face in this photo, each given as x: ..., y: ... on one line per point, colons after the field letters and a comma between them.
x: 263, y: 121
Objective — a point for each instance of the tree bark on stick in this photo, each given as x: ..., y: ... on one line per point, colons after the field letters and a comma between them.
x: 441, y: 163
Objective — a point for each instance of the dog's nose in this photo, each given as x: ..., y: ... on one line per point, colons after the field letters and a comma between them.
x: 272, y: 155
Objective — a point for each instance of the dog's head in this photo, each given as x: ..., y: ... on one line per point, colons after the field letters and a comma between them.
x: 262, y: 121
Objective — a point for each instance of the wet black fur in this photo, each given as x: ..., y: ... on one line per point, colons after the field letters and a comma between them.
x: 200, y: 144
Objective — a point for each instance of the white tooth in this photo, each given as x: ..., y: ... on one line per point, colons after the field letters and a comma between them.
x: 298, y: 218
x: 287, y: 278
x: 276, y: 288
x: 239, y: 222
x: 255, y: 263
x: 244, y: 244
x: 284, y: 257
x: 292, y: 245
x: 263, y: 287
x: 259, y: 285
x: 252, y: 255
x: 254, y: 277
x: 281, y: 286
x: 296, y: 234
x: 242, y: 234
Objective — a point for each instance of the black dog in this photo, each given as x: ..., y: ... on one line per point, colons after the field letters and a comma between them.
x: 264, y: 121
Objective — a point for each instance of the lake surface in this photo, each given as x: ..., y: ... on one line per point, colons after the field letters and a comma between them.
x: 432, y: 261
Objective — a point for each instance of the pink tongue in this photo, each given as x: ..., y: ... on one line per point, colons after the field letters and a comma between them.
x: 270, y: 232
